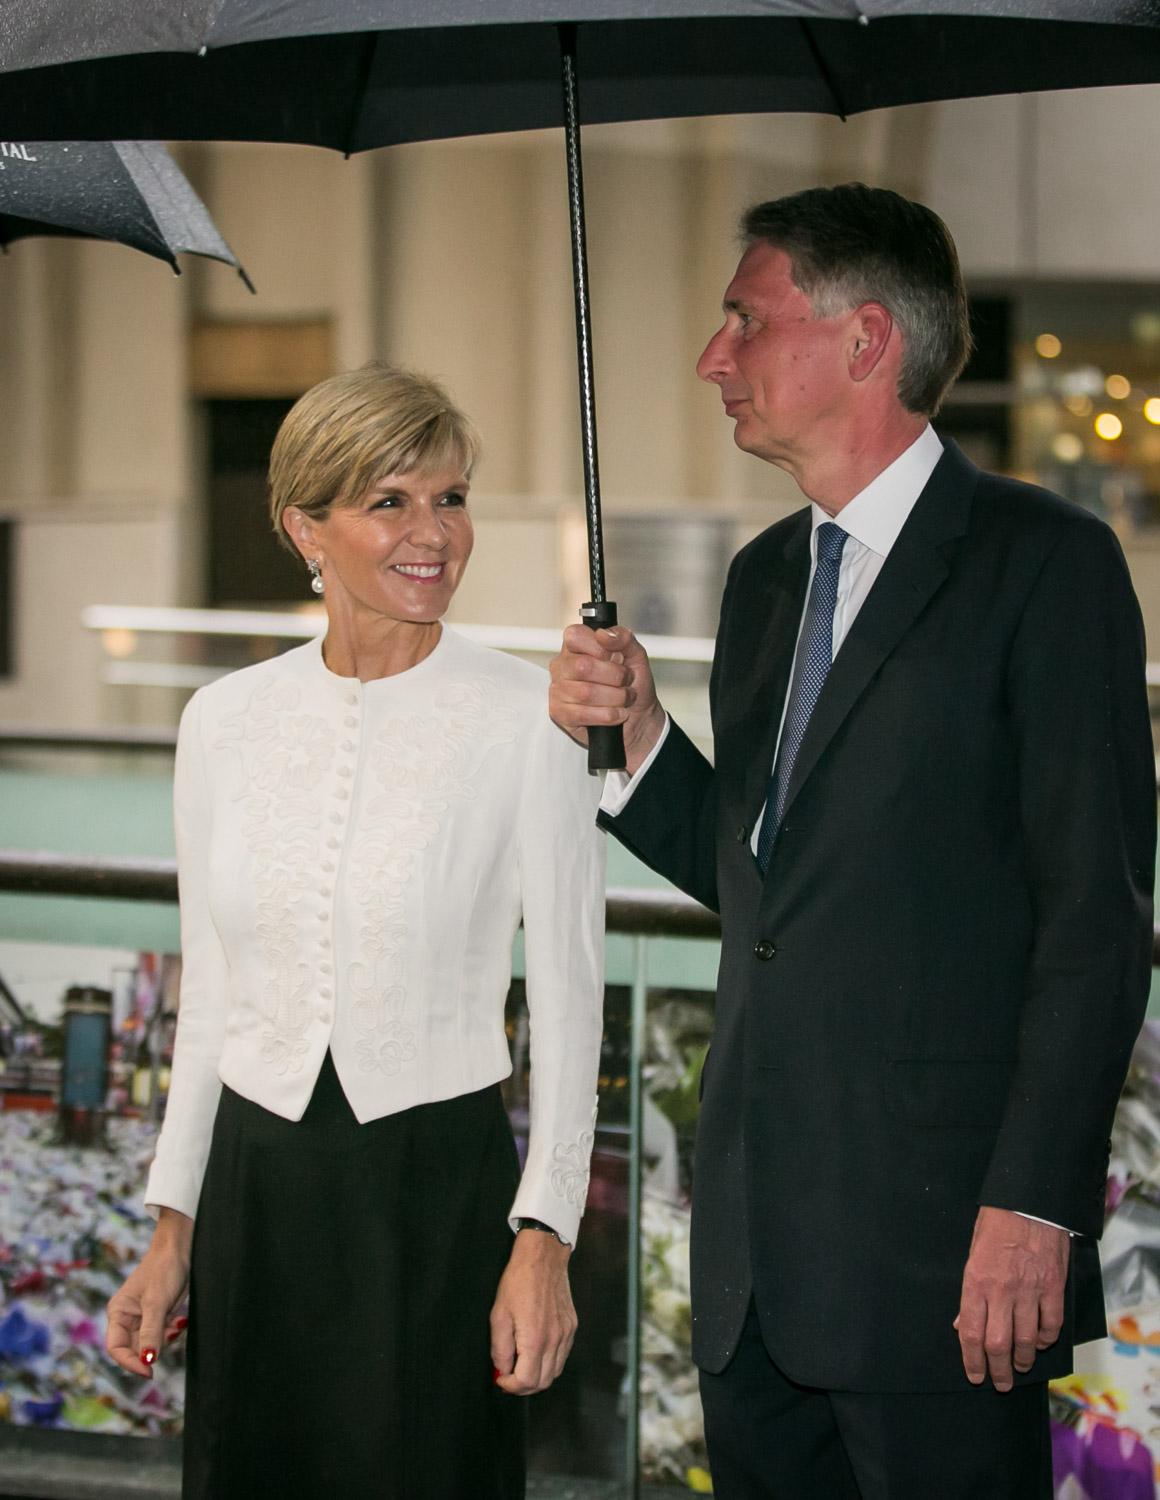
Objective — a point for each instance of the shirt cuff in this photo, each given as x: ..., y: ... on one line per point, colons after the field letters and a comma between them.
x: 1049, y: 1222
x: 619, y: 785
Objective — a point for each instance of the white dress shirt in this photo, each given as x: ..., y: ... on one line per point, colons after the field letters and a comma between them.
x: 354, y: 861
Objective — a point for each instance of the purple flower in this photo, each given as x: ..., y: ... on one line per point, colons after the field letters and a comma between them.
x: 22, y: 1338
x: 43, y: 1413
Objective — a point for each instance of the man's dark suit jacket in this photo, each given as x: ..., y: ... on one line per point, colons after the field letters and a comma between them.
x: 929, y: 1002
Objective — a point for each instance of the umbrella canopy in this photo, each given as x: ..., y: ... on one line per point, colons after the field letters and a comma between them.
x: 129, y: 191
x: 356, y: 74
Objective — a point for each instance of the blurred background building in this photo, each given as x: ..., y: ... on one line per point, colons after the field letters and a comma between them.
x: 138, y: 407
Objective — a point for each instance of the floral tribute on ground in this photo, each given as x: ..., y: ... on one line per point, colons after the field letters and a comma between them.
x: 71, y: 1228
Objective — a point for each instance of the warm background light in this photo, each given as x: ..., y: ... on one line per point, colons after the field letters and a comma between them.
x: 1108, y: 426
x: 1119, y: 387
x: 1047, y: 346
x: 1145, y: 326
x: 1067, y: 447
x: 119, y: 643
x: 1152, y: 410
x: 1079, y: 406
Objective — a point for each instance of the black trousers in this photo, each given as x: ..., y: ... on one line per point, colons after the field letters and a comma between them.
x: 771, y: 1439
x: 343, y: 1276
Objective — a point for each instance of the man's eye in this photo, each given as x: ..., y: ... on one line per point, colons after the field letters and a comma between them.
x: 455, y: 498
x: 384, y: 501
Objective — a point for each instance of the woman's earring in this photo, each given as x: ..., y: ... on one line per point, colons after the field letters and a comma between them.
x: 315, y: 569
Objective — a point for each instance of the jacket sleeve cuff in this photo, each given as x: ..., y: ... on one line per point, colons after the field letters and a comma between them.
x: 172, y: 1187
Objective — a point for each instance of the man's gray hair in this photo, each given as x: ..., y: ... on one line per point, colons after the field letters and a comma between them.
x: 854, y: 244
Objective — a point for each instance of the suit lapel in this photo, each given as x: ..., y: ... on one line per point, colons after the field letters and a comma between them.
x: 916, y: 568
x: 774, y: 635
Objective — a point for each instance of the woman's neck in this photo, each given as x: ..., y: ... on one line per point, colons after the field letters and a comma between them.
x: 378, y: 648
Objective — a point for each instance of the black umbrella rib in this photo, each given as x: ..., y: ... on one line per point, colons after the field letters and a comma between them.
x: 365, y: 70
x: 824, y: 69
x: 583, y: 313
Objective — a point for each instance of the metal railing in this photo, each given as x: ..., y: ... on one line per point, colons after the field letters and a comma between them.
x: 28, y: 737
x: 639, y: 913
x: 300, y: 625
x: 296, y: 625
x: 124, y: 628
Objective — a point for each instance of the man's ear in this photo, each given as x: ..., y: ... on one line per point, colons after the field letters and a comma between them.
x: 871, y: 336
x: 300, y: 530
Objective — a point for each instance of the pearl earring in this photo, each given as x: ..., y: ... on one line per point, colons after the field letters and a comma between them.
x: 315, y: 568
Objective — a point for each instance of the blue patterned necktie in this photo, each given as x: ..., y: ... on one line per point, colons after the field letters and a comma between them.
x: 815, y: 654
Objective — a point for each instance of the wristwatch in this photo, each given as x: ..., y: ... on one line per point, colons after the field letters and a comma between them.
x: 543, y: 1228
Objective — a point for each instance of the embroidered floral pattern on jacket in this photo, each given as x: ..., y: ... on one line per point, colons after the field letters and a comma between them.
x: 282, y: 756
x: 569, y: 1179
x: 422, y: 763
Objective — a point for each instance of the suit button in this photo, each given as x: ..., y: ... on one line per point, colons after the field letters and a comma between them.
x: 763, y: 949
x: 742, y: 835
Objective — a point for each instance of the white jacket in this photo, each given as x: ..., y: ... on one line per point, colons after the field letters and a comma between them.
x: 354, y: 860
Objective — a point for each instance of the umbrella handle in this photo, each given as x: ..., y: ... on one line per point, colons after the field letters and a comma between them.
x: 605, y: 741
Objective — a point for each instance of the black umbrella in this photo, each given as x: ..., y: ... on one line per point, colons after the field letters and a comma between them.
x: 129, y: 191
x: 357, y: 74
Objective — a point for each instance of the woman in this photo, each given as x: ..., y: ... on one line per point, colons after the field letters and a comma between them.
x: 361, y: 824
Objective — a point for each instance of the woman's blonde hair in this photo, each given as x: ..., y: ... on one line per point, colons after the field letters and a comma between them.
x: 348, y: 432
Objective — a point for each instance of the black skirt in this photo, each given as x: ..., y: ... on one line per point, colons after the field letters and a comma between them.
x: 342, y: 1279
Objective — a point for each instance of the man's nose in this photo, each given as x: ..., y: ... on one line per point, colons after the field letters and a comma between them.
x: 713, y: 363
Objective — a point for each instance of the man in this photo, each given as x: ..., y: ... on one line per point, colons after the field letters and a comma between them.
x: 929, y: 831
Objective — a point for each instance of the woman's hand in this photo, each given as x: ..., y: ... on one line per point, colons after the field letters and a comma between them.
x: 533, y: 1321
x: 143, y: 1315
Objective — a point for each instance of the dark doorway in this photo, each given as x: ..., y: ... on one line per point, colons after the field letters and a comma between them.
x: 978, y: 410
x: 245, y: 564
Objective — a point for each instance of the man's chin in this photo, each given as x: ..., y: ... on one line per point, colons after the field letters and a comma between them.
x: 744, y: 436
x: 757, y: 445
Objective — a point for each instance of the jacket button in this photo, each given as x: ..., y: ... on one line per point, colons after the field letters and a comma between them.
x: 763, y: 949
x: 742, y: 835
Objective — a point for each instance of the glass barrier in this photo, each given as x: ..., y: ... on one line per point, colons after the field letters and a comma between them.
x: 72, y: 1174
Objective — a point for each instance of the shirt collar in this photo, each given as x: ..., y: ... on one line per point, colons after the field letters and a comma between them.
x: 878, y: 513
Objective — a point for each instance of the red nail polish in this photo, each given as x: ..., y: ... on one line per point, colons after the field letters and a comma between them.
x: 148, y: 1356
x: 182, y: 1322
x: 495, y: 1375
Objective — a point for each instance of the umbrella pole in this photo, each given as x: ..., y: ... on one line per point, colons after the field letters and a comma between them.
x: 605, y: 742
